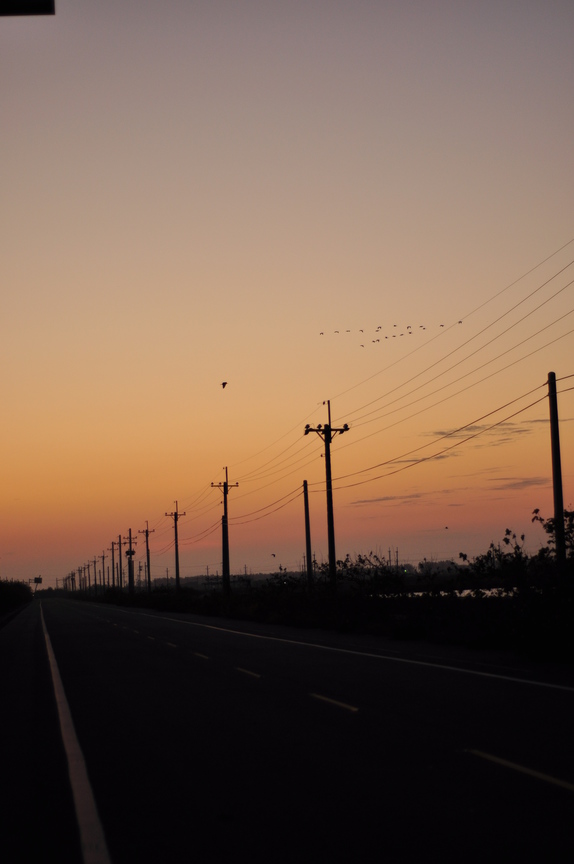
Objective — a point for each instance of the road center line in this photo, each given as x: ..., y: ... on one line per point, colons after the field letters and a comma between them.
x: 523, y: 770
x: 171, y: 644
x: 203, y: 656
x: 93, y: 842
x: 352, y: 708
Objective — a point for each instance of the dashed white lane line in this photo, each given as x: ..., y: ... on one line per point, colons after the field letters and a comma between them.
x: 248, y: 672
x: 92, y: 840
x: 171, y: 644
x: 203, y: 656
x: 547, y: 778
x: 447, y: 667
x: 151, y: 637
x: 352, y: 708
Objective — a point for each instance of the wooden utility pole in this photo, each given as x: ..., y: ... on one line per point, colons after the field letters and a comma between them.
x: 225, y: 578
x: 130, y: 552
x: 147, y: 532
x: 308, y: 560
x: 176, y: 515
x: 104, y: 556
x: 113, y: 564
x: 327, y: 433
x: 556, y: 472
x: 120, y: 567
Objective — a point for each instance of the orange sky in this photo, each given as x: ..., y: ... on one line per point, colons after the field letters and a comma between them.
x: 193, y: 192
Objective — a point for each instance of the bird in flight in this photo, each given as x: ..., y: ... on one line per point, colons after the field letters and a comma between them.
x: 223, y: 384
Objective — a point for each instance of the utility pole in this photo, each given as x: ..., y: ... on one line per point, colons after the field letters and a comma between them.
x: 175, y: 517
x: 95, y: 576
x: 327, y: 433
x: 147, y: 532
x: 113, y: 564
x: 130, y: 552
x: 120, y: 567
x: 556, y: 473
x: 225, y: 534
x: 307, y: 534
x: 104, y: 556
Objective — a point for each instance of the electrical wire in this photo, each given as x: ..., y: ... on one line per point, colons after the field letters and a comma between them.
x: 258, y: 518
x: 443, y: 437
x: 463, y: 317
x: 471, y: 339
x: 445, y: 449
x: 356, y: 424
x: 267, y: 506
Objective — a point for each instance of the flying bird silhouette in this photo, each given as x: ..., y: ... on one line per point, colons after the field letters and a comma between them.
x: 223, y: 384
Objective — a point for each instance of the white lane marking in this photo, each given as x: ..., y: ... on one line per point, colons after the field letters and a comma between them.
x: 203, y: 656
x: 523, y: 769
x: 443, y: 666
x: 93, y: 842
x: 152, y: 638
x: 171, y: 644
x: 248, y: 672
x: 352, y: 708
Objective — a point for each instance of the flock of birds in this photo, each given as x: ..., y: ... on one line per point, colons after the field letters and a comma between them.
x: 380, y: 337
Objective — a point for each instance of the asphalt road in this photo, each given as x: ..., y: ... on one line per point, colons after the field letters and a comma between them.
x: 206, y: 741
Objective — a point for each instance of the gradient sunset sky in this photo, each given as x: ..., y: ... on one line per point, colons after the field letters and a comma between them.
x: 365, y: 202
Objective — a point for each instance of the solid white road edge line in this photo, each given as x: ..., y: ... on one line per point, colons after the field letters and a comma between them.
x: 93, y: 842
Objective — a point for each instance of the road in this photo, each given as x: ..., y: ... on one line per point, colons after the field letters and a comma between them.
x: 206, y: 740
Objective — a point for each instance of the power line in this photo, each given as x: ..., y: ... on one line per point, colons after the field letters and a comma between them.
x: 461, y: 378
x: 442, y: 437
x: 267, y: 506
x: 265, y: 515
x: 444, y: 450
x: 471, y: 339
x: 463, y: 317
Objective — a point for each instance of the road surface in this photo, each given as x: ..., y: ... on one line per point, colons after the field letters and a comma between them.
x: 209, y: 740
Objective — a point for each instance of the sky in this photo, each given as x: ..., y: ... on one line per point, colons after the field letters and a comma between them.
x: 367, y: 204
